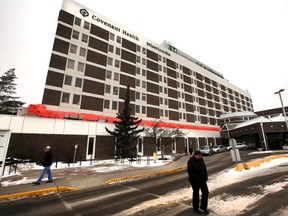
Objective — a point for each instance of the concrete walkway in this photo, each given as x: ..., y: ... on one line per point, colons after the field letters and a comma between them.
x: 83, y: 177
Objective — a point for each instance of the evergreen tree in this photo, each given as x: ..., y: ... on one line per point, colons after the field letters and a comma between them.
x: 125, y: 132
x: 9, y: 104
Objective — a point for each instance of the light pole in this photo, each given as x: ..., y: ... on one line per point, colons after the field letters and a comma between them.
x: 279, y: 92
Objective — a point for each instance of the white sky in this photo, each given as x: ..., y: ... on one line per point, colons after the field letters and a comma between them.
x: 245, y: 40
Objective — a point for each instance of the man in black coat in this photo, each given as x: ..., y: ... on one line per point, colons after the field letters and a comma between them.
x: 46, y: 163
x: 198, y: 177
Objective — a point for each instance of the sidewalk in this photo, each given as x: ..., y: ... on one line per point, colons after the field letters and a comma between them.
x: 82, y: 177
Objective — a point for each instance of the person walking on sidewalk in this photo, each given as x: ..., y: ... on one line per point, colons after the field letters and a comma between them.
x: 47, y: 162
x: 198, y: 177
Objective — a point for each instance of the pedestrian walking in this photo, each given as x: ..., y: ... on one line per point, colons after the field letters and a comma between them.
x: 198, y: 177
x: 46, y: 163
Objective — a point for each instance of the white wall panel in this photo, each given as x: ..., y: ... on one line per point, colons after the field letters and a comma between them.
x: 76, y: 127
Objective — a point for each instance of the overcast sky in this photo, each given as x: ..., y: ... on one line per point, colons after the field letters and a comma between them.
x: 245, y: 40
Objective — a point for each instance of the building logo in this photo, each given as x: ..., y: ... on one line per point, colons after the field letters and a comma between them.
x: 84, y: 12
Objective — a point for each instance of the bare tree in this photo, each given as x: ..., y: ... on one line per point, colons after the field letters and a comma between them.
x: 157, y: 133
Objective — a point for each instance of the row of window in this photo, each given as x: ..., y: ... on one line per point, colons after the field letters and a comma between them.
x: 114, y: 106
x: 78, y: 82
x: 86, y: 25
x: 80, y: 66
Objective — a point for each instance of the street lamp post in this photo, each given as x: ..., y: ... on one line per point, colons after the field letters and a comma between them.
x: 279, y: 92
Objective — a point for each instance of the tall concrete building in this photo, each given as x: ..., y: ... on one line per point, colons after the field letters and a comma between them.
x: 94, y: 59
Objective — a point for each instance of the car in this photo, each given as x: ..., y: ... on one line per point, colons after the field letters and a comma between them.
x: 206, y: 150
x: 240, y: 146
x: 219, y: 148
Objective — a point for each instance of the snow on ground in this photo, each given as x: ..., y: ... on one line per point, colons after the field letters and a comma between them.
x: 225, y: 206
x: 100, y: 166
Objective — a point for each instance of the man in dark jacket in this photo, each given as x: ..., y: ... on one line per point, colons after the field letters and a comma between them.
x: 47, y: 162
x: 198, y: 177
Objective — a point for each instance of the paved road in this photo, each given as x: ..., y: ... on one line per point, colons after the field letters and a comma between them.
x: 148, y: 196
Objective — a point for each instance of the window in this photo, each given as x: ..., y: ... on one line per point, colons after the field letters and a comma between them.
x: 111, y: 48
x: 65, y: 97
x: 143, y: 110
x: 161, y: 112
x: 77, y: 21
x: 68, y: 80
x: 82, y: 52
x: 107, y: 89
x: 165, y: 79
x: 165, y: 90
x: 166, y: 101
x: 90, y: 145
x: 159, y: 68
x: 137, y: 109
x: 118, y: 51
x: 138, y: 82
x: 161, y: 100
x: 117, y: 63
x: 108, y: 74
x: 78, y: 82
x: 111, y: 36
x: 143, y: 84
x: 86, y: 25
x: 70, y: 64
x: 159, y: 58
x: 160, y: 89
x: 118, y: 39
x: 116, y: 76
x: 138, y: 59
x: 80, y: 66
x: 143, y: 72
x: 143, y: 96
x: 115, y: 90
x: 138, y: 95
x: 138, y: 48
x: 164, y: 69
x: 114, y: 105
x: 110, y: 61
x: 73, y: 49
x: 143, y: 61
x: 106, y: 104
x: 76, y: 99
x: 144, y: 51
x: 140, y: 147
x: 138, y: 70
x: 164, y: 59
x: 84, y: 38
x: 166, y: 113
x: 75, y: 34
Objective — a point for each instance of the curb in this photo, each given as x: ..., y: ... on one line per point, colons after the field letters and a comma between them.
x: 36, y: 192
x: 114, y: 180
x: 258, y: 162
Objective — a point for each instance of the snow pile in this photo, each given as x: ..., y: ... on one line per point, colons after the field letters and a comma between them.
x: 226, y: 205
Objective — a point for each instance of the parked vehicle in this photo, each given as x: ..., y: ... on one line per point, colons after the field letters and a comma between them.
x: 219, y: 148
x: 206, y: 150
x: 240, y: 146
